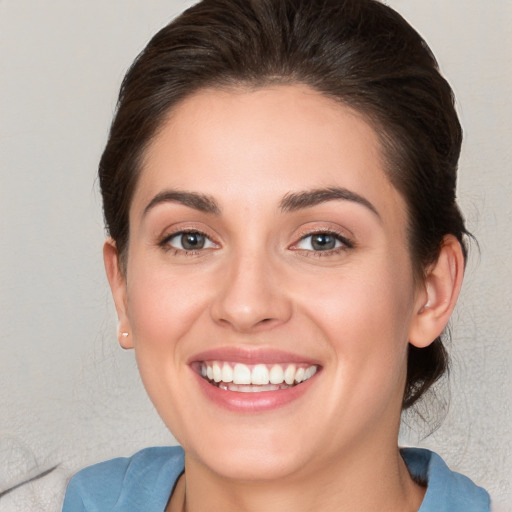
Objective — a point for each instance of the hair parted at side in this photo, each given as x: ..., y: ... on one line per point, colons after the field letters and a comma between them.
x: 358, y: 52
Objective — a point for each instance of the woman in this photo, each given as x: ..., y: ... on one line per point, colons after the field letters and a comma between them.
x: 285, y: 252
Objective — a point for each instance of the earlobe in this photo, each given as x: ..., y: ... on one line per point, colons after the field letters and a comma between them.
x: 437, y: 301
x: 117, y: 281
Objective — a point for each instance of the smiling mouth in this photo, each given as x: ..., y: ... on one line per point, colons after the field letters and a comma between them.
x: 255, y: 378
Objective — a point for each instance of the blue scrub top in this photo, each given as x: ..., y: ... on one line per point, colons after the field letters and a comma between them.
x: 144, y: 482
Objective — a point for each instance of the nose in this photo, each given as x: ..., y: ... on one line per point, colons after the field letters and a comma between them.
x: 251, y: 296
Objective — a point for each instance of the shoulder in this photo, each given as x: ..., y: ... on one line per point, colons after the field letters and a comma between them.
x: 447, y: 491
x: 141, y: 482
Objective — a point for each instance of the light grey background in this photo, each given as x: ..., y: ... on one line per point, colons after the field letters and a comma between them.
x: 68, y: 394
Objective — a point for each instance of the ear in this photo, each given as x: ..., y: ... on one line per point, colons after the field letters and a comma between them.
x: 117, y: 281
x: 436, y: 300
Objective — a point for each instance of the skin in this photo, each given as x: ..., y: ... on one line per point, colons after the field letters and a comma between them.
x: 260, y: 283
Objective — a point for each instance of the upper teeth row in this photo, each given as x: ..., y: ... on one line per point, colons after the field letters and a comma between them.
x: 259, y: 374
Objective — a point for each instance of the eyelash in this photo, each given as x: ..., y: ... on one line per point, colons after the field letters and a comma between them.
x: 346, y: 244
x: 164, y: 243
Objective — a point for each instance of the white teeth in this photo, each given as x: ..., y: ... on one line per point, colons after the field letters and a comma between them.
x: 217, y: 372
x: 289, y: 374
x: 262, y: 377
x: 310, y: 372
x: 276, y: 375
x: 227, y: 373
x: 241, y: 374
x: 259, y: 375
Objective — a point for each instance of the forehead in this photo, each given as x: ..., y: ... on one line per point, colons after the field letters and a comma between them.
x: 264, y: 142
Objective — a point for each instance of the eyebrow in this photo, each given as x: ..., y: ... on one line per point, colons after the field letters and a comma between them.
x: 291, y: 202
x: 200, y: 202
x: 306, y: 199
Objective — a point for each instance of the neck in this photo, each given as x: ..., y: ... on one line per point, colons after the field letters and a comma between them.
x: 375, y: 481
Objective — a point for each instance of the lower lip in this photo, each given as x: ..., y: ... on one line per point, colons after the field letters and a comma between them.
x: 253, y: 402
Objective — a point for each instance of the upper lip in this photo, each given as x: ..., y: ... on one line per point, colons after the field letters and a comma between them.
x: 251, y: 356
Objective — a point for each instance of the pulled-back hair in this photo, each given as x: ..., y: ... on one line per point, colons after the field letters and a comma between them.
x: 358, y: 52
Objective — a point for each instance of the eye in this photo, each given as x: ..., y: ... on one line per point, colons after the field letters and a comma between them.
x: 188, y: 241
x: 319, y: 242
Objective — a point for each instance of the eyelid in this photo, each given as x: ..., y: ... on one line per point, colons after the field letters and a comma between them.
x: 340, y: 235
x: 180, y: 229
x: 300, y: 244
x: 179, y: 234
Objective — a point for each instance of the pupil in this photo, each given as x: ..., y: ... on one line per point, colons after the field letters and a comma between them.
x: 192, y: 241
x: 323, y: 242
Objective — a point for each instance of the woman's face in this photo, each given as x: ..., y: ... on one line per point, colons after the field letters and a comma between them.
x: 267, y: 246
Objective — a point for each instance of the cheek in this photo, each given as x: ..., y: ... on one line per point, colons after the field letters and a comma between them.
x: 163, y: 310
x: 365, y: 314
x: 368, y: 299
x: 163, y: 306
x: 370, y: 342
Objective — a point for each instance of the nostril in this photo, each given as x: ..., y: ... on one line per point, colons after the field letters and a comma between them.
x: 265, y: 321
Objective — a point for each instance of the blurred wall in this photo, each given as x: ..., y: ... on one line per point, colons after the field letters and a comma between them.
x: 68, y: 394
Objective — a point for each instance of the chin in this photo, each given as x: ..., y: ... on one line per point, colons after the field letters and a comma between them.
x: 250, y: 454
x: 253, y: 463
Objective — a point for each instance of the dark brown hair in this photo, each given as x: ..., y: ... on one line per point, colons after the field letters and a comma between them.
x: 359, y: 52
